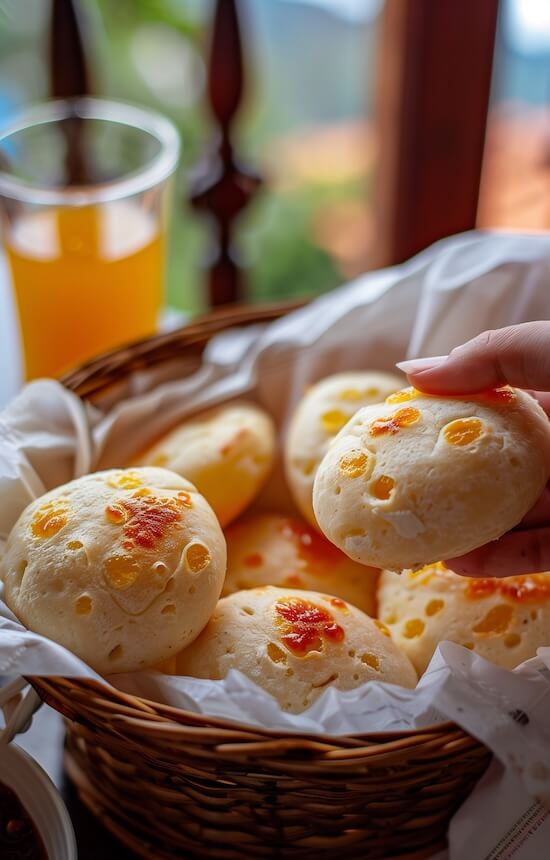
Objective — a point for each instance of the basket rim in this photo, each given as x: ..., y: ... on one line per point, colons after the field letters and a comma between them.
x: 43, y: 684
x: 101, y: 371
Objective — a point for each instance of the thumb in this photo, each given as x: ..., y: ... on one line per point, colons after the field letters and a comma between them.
x: 518, y: 355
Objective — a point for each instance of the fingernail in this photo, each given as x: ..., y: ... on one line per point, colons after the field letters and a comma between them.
x: 414, y: 365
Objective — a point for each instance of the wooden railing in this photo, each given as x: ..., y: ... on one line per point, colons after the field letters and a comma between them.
x: 224, y: 187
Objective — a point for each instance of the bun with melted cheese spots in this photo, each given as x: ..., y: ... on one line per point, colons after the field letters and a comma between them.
x: 504, y: 620
x: 324, y: 410
x: 271, y: 549
x: 226, y: 452
x: 122, y: 567
x: 295, y: 644
x: 419, y: 478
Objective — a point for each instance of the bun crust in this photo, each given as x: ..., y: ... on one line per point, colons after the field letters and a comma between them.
x: 122, y: 567
x: 226, y: 452
x: 324, y: 410
x: 271, y: 549
x: 295, y: 644
x: 504, y: 620
x: 420, y: 478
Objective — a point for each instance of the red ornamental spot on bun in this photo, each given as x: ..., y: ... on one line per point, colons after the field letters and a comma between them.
x: 505, y: 394
x: 311, y: 547
x: 305, y: 625
x: 255, y: 559
x: 339, y: 604
x: 402, y: 418
x: 235, y: 441
x: 404, y: 394
x: 49, y: 519
x: 534, y: 587
x: 184, y: 499
x: 147, y: 519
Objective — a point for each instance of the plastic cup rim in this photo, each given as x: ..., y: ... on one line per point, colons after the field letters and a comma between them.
x: 155, y: 172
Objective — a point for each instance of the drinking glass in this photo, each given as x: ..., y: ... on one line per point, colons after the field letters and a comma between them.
x: 84, y: 195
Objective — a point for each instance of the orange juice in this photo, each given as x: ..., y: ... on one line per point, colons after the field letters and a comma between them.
x: 85, y: 280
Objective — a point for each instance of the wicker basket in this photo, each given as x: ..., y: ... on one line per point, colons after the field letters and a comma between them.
x: 169, y: 783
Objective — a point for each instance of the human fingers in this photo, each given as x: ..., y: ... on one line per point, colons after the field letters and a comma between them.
x: 517, y: 552
x: 518, y: 355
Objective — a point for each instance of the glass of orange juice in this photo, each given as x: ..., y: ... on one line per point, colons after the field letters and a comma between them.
x: 84, y: 194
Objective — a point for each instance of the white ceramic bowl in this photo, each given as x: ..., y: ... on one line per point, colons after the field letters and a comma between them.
x: 41, y: 800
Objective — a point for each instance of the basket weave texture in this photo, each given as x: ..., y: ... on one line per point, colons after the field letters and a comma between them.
x: 173, y: 784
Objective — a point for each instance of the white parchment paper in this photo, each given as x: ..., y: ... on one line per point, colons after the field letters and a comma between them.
x: 446, y: 295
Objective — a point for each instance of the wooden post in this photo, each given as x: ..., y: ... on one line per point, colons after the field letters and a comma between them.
x: 223, y: 186
x: 68, y: 72
x: 433, y: 88
x: 69, y: 78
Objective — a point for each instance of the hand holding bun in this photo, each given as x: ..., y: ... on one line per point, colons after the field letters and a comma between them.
x: 295, y: 644
x: 226, y: 452
x: 122, y: 567
x: 324, y: 410
x: 518, y: 355
x: 271, y: 549
x: 420, y: 478
x: 503, y: 620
